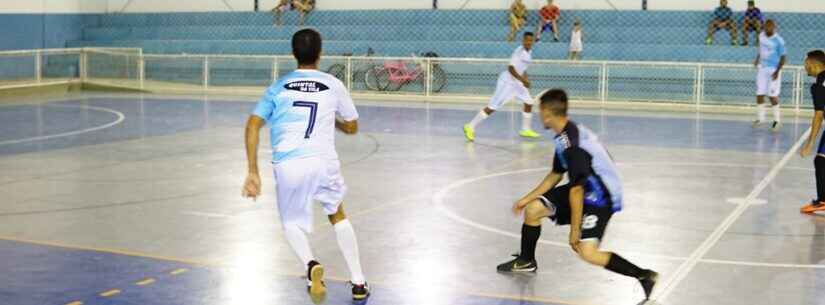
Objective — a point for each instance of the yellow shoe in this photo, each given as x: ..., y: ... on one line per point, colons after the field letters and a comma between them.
x: 529, y: 133
x: 469, y: 133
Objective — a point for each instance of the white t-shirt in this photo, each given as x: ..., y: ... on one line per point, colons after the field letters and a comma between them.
x: 520, y: 60
x: 300, y: 109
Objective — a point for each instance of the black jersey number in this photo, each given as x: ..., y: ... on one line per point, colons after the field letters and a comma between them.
x: 313, y: 111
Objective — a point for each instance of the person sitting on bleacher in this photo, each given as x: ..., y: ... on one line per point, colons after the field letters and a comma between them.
x: 518, y: 17
x: 548, y: 21
x: 304, y: 7
x: 722, y: 19
x: 752, y: 23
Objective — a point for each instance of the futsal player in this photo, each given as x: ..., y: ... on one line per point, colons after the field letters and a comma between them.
x: 301, y: 109
x: 586, y: 203
x: 512, y: 83
x: 815, y: 66
x: 769, y: 63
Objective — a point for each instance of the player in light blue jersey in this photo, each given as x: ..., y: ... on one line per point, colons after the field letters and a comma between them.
x: 302, y: 109
x: 586, y: 203
x: 769, y: 62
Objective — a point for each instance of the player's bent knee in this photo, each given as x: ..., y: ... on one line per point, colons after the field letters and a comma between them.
x: 535, y: 212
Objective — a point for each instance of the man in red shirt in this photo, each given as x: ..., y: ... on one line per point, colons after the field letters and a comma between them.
x: 549, y: 16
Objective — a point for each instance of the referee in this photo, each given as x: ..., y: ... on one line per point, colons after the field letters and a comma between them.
x: 815, y: 66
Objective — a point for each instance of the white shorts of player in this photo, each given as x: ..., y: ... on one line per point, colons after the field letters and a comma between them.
x: 508, y: 88
x: 302, y: 182
x: 766, y: 85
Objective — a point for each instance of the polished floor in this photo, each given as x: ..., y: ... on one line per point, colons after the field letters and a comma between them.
x: 129, y: 199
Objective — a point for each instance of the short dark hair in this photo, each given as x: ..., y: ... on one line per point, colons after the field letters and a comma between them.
x: 306, y: 46
x: 555, y: 100
x: 817, y: 55
x: 529, y: 34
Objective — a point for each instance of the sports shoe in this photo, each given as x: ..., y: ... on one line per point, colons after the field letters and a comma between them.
x: 775, y: 126
x: 360, y: 292
x: 469, y: 133
x: 756, y: 123
x: 529, y: 133
x: 709, y: 41
x: 518, y: 265
x: 315, y: 278
x: 648, y: 282
x: 812, y: 207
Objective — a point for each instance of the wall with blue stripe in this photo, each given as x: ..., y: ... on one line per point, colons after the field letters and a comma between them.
x: 38, y: 31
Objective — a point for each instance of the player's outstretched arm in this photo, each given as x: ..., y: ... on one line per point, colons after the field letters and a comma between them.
x: 252, y: 185
x: 522, y: 78
x: 576, y: 212
x: 347, y: 127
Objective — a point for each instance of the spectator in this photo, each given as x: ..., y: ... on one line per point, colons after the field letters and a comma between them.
x: 549, y: 16
x: 576, y: 38
x: 304, y: 7
x: 518, y: 17
x: 752, y: 23
x: 722, y: 19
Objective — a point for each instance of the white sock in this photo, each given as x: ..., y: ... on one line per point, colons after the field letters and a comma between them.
x: 481, y: 116
x: 526, y: 121
x: 349, y: 248
x: 777, y: 114
x: 299, y: 243
x: 760, y: 112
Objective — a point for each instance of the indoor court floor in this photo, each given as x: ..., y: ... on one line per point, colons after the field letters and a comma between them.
x: 132, y: 199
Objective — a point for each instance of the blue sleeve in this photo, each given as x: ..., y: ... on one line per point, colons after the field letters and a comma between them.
x: 781, y: 47
x: 264, y: 108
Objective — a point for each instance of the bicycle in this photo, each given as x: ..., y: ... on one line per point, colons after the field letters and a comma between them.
x: 358, y: 73
x: 395, y: 74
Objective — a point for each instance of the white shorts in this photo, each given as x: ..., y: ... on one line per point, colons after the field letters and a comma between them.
x: 507, y: 89
x: 765, y: 85
x: 575, y: 47
x: 301, y: 182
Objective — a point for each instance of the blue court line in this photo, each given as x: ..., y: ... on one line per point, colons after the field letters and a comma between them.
x: 38, y: 273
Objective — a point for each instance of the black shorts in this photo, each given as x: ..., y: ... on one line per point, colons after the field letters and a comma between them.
x: 594, y: 219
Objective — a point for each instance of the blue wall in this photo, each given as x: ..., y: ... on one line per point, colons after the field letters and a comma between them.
x: 38, y: 31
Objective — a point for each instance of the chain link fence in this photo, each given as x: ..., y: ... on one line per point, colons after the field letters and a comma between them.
x: 626, y: 35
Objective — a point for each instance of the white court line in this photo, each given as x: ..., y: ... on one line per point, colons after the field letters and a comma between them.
x: 120, y: 118
x: 205, y: 214
x: 439, y: 198
x: 705, y: 247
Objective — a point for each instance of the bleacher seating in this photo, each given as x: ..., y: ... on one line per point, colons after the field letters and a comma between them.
x: 609, y: 35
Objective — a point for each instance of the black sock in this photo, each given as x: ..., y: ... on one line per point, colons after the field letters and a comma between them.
x: 819, y: 164
x: 621, y: 266
x: 529, y: 239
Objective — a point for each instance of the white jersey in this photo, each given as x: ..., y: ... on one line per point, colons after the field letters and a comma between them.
x: 519, y: 60
x: 300, y: 109
x: 576, y: 41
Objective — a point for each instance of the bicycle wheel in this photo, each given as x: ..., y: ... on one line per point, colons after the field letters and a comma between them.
x: 439, y: 79
x: 377, y: 78
x: 338, y: 70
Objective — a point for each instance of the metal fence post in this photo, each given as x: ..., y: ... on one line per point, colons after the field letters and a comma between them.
x: 349, y: 73
x: 38, y: 65
x: 274, y: 69
x: 141, y: 72
x: 603, y: 83
x: 429, y: 79
x: 798, y: 90
x: 697, y: 90
x: 206, y: 72
x: 83, y: 65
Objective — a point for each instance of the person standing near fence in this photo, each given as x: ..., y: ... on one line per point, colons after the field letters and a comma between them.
x: 769, y: 62
x: 512, y: 83
x: 576, y: 41
x: 815, y: 66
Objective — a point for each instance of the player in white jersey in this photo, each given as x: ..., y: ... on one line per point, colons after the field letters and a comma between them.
x: 301, y: 109
x: 769, y: 63
x: 512, y: 83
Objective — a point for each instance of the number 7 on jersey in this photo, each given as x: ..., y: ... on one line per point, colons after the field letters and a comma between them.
x: 313, y: 110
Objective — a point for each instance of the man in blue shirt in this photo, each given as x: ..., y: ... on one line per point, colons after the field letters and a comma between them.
x: 769, y: 62
x: 752, y: 22
x: 722, y: 20
x: 586, y: 203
